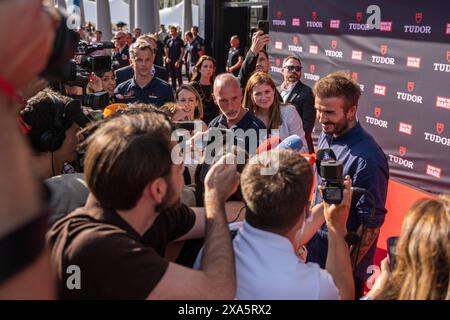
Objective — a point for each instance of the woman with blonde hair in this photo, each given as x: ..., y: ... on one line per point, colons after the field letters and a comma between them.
x: 422, y: 255
x: 260, y: 97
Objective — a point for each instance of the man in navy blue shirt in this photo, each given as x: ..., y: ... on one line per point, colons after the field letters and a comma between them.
x: 336, y: 101
x: 235, y: 56
x: 228, y: 96
x: 174, y: 51
x: 143, y: 87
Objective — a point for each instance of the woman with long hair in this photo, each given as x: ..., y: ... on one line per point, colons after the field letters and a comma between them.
x: 260, y: 97
x: 202, y: 81
x: 422, y: 255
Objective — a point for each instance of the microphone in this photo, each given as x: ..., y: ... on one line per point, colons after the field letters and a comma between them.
x: 268, y: 144
x: 292, y: 142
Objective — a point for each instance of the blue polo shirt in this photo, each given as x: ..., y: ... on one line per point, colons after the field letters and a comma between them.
x: 364, y: 161
x: 248, y: 122
x: 157, y: 92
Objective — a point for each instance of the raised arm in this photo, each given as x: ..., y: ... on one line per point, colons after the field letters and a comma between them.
x: 216, y: 279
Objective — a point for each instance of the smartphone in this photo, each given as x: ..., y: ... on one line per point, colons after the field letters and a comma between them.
x: 187, y: 125
x: 263, y: 25
x: 391, y: 243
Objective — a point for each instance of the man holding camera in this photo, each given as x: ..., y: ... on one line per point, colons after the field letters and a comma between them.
x: 118, y: 239
x: 336, y: 102
x: 144, y: 86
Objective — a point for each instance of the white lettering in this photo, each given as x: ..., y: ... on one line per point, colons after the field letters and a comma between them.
x: 417, y: 29
x: 359, y: 26
x: 295, y: 48
x: 383, y: 60
x: 437, y: 139
x: 441, y: 67
x: 409, y: 97
x: 310, y: 76
x: 377, y: 122
x: 279, y: 22
x: 314, y: 24
x: 402, y: 162
x: 331, y: 53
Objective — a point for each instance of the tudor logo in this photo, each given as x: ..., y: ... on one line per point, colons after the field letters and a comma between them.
x: 440, y: 127
x: 314, y: 15
x: 359, y: 16
x: 383, y: 49
x: 410, y: 86
x: 312, y: 68
x: 402, y: 151
x: 377, y: 111
x: 333, y: 44
x: 355, y: 76
x: 278, y: 62
x: 419, y: 17
x: 295, y: 40
x: 279, y: 14
x: 448, y: 56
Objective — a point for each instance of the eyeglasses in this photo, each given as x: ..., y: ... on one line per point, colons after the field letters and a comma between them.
x: 292, y: 68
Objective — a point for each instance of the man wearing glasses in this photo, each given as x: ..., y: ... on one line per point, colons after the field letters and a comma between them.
x: 144, y: 86
x: 295, y: 92
x: 121, y: 55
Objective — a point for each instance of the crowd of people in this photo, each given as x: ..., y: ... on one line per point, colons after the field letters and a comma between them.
x: 110, y: 193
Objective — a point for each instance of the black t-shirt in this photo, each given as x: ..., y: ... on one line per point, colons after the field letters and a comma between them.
x: 174, y: 46
x: 194, y: 48
x: 114, y: 260
x: 233, y: 57
x: 210, y: 109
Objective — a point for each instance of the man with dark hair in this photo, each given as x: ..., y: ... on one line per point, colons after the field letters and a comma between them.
x: 336, y: 98
x: 267, y: 245
x: 193, y: 50
x: 198, y: 40
x: 295, y: 92
x: 144, y: 86
x: 174, y: 51
x: 51, y: 123
x: 235, y: 56
x: 119, y: 238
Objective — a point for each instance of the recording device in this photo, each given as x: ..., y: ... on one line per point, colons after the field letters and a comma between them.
x: 263, y: 25
x: 331, y: 172
x: 60, y: 66
x: 292, y: 142
x: 187, y: 125
x: 391, y: 244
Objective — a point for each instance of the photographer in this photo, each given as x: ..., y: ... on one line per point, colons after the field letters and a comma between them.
x: 126, y: 228
x: 336, y: 102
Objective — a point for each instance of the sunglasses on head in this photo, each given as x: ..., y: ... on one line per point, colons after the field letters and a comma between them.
x: 292, y: 68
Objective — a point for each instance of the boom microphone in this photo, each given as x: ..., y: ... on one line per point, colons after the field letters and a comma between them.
x: 268, y: 144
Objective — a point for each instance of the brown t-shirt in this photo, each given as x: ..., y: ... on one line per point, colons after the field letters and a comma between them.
x: 115, y: 262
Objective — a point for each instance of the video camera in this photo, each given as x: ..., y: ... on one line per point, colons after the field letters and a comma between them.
x: 86, y: 65
x: 331, y: 172
x: 63, y: 69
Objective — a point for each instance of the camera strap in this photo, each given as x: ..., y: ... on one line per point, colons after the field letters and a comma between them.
x: 20, y: 247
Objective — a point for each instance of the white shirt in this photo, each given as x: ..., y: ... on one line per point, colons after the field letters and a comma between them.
x: 267, y: 268
x: 285, y: 90
x: 291, y: 123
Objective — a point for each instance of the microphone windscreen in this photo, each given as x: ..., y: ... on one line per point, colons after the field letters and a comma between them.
x: 292, y: 142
